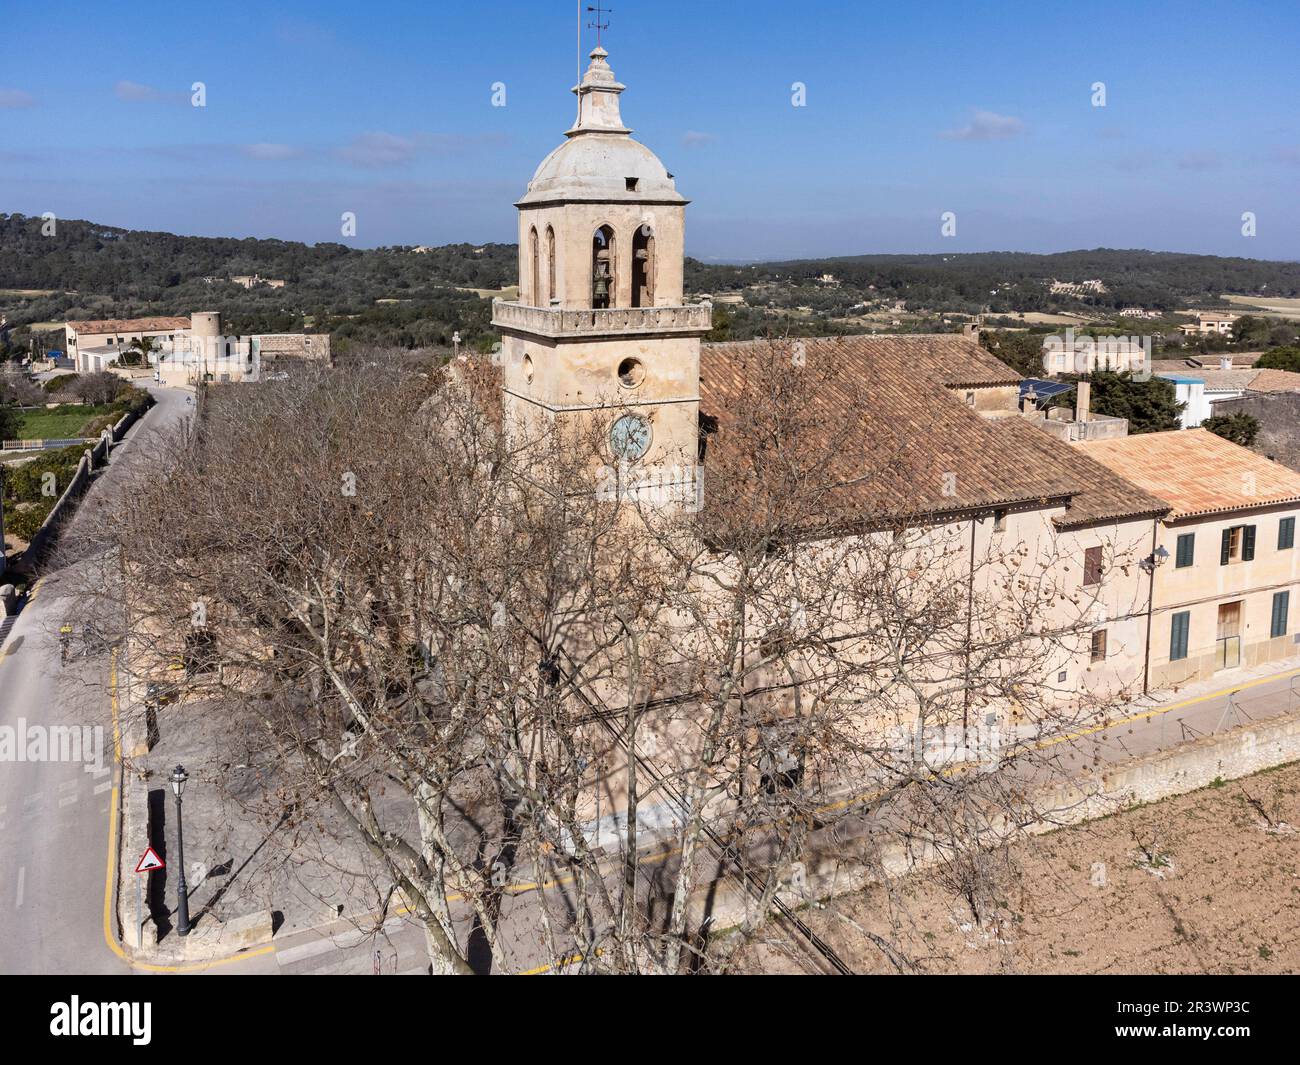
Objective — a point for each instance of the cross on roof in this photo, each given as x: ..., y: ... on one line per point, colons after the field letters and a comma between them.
x: 598, y: 25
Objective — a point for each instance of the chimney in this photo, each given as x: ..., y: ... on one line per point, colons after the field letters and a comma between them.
x: 971, y: 330
x: 1082, y: 405
x: 1225, y: 362
x: 1029, y: 402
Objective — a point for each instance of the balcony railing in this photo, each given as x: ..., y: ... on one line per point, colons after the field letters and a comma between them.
x: 612, y: 321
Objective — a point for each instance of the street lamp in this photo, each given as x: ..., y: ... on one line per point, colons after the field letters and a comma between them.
x: 1155, y: 560
x: 178, y: 779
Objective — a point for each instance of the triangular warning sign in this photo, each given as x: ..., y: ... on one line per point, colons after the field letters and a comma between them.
x: 149, y: 861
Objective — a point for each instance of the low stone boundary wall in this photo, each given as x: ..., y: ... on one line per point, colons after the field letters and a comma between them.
x: 1188, y: 767
x: 91, y: 460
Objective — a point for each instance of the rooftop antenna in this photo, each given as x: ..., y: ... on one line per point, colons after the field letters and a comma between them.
x: 598, y: 26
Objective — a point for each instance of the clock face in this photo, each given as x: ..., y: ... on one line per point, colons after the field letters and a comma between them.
x: 630, y: 437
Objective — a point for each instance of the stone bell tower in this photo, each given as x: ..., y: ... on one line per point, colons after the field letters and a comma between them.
x: 600, y: 330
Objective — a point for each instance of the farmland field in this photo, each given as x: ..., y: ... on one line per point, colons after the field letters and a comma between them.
x: 1266, y: 306
x: 61, y: 423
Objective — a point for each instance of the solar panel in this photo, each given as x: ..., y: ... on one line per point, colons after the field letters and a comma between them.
x: 1043, y: 390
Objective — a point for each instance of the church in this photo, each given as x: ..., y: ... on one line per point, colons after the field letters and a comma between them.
x: 922, y: 444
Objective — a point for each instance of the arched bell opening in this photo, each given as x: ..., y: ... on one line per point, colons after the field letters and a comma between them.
x: 534, y: 278
x: 550, y: 266
x: 643, y: 267
x: 604, y: 271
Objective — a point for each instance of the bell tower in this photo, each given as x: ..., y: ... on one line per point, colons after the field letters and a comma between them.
x: 600, y: 330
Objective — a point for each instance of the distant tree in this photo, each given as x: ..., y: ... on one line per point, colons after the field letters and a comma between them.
x: 1239, y: 427
x: 8, y: 422
x: 1150, y: 406
x: 62, y: 382
x: 98, y: 388
x: 722, y: 319
x: 138, y: 353
x: 1251, y: 330
x: 1023, y: 352
x: 1283, y: 333
x: 16, y: 387
x: 1280, y: 359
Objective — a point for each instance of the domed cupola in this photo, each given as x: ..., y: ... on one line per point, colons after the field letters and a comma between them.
x: 600, y: 161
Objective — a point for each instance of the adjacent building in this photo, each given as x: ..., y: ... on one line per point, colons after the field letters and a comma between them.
x: 1201, y: 391
x: 1178, y: 548
x: 94, y: 345
x: 1226, y: 568
x: 1210, y: 323
x: 185, y: 351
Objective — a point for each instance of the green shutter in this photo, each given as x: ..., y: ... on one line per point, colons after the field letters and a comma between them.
x: 1286, y: 534
x: 1226, y: 548
x: 1247, y: 543
x: 1281, y: 608
x: 1186, y: 550
x: 1178, y: 635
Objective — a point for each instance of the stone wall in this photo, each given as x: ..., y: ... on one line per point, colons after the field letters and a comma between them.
x: 91, y: 460
x: 273, y: 346
x: 1279, y: 423
x: 1178, y: 770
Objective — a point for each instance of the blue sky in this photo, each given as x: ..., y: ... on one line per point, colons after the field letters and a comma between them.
x: 385, y: 109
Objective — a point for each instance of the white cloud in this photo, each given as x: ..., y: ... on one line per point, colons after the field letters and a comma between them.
x: 135, y: 92
x: 15, y: 98
x: 379, y: 149
x: 270, y: 152
x: 986, y: 126
x: 693, y: 138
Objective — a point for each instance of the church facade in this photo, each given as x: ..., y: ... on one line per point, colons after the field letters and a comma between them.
x: 927, y: 431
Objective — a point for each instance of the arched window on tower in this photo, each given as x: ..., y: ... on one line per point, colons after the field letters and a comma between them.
x: 643, y: 267
x: 534, y: 281
x: 604, y: 276
x: 550, y: 265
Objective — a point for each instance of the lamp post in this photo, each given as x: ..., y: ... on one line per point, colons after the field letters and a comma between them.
x: 178, y: 779
x: 1158, y: 557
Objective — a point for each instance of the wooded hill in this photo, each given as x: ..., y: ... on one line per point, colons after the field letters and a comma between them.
x: 94, y: 270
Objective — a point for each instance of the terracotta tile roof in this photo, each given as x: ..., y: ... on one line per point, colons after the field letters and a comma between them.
x: 949, y: 358
x: 1102, y: 496
x: 128, y: 325
x: 898, y: 444
x: 1224, y: 380
x: 1197, y: 472
x: 1275, y: 381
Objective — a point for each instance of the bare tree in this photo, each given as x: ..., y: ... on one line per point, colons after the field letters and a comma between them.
x: 439, y: 636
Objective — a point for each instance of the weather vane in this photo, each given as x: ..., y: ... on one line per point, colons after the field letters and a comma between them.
x: 598, y: 26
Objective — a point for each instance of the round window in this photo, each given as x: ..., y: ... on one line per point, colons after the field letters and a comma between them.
x: 528, y: 369
x: 630, y: 437
x: 631, y: 373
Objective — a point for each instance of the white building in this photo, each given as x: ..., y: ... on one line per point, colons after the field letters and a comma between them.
x: 1208, y: 323
x: 185, y: 351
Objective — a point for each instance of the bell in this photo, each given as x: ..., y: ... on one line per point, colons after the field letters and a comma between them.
x: 602, y: 286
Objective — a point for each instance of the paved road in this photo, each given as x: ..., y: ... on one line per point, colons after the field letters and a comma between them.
x: 54, y: 816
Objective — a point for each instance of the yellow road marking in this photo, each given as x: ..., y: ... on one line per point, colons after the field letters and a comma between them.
x: 524, y: 887
x: 563, y: 963
x: 1157, y: 711
x: 110, y: 876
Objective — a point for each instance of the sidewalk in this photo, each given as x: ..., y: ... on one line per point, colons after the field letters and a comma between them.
x: 316, y: 912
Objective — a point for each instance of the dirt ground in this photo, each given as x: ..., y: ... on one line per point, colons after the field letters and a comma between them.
x: 1204, y: 883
